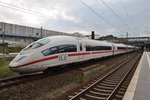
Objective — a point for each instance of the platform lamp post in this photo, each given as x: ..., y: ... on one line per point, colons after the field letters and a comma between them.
x: 41, y: 32
x: 93, y: 35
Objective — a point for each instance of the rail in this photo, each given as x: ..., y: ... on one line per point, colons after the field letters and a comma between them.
x: 106, y: 87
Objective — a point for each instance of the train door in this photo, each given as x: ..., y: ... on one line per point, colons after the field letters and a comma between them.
x: 113, y: 49
x: 81, y: 51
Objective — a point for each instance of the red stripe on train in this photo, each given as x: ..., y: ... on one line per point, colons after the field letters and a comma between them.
x: 73, y: 54
x: 102, y: 52
x: 37, y: 61
x: 79, y: 54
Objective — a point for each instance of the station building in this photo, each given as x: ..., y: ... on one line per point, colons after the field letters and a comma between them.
x: 24, y: 35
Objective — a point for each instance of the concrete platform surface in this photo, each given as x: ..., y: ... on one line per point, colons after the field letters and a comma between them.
x: 139, y: 88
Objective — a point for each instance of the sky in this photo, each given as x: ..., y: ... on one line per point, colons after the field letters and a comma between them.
x: 104, y: 17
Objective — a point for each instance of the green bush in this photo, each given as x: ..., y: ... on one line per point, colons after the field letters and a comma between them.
x: 2, y: 62
x: 4, y: 69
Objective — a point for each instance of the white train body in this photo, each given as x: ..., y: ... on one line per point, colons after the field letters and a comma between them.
x: 59, y: 50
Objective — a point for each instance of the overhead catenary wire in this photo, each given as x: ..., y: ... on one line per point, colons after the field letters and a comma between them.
x: 100, y: 16
x: 117, y: 16
x: 21, y: 9
x: 127, y: 15
x: 83, y: 20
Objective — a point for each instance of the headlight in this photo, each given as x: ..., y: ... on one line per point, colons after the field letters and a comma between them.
x: 21, y: 58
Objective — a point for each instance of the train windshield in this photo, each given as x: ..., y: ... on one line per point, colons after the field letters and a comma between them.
x: 37, y: 44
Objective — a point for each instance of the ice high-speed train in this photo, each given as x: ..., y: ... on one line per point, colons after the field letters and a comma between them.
x: 60, y: 50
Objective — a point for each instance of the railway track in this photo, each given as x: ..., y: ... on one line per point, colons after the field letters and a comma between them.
x: 12, y: 81
x: 19, y: 83
x: 112, y: 86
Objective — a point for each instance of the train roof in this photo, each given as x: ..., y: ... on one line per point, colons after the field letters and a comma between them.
x: 85, y: 40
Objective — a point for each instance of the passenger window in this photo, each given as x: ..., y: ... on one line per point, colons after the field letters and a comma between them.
x: 67, y: 48
x: 88, y: 48
x: 54, y: 49
x: 46, y: 52
x: 97, y: 48
x: 121, y: 48
x: 50, y: 51
x: 60, y: 49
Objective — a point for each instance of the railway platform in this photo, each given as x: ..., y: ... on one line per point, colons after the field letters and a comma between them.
x: 139, y: 88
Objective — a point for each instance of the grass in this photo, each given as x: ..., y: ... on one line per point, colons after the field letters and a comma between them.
x: 4, y: 69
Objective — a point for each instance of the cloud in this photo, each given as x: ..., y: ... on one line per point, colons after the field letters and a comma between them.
x: 72, y: 16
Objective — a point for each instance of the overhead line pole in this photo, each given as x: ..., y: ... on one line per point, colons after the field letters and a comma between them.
x: 127, y: 40
x: 3, y: 32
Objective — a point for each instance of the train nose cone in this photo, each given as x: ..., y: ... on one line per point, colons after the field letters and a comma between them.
x: 13, y: 64
x: 10, y: 65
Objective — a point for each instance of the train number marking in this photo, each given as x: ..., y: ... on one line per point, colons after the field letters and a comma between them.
x: 62, y: 57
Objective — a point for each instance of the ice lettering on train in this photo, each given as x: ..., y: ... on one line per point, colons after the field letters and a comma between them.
x: 62, y: 57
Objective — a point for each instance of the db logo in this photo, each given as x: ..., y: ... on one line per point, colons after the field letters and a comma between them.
x: 62, y: 57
